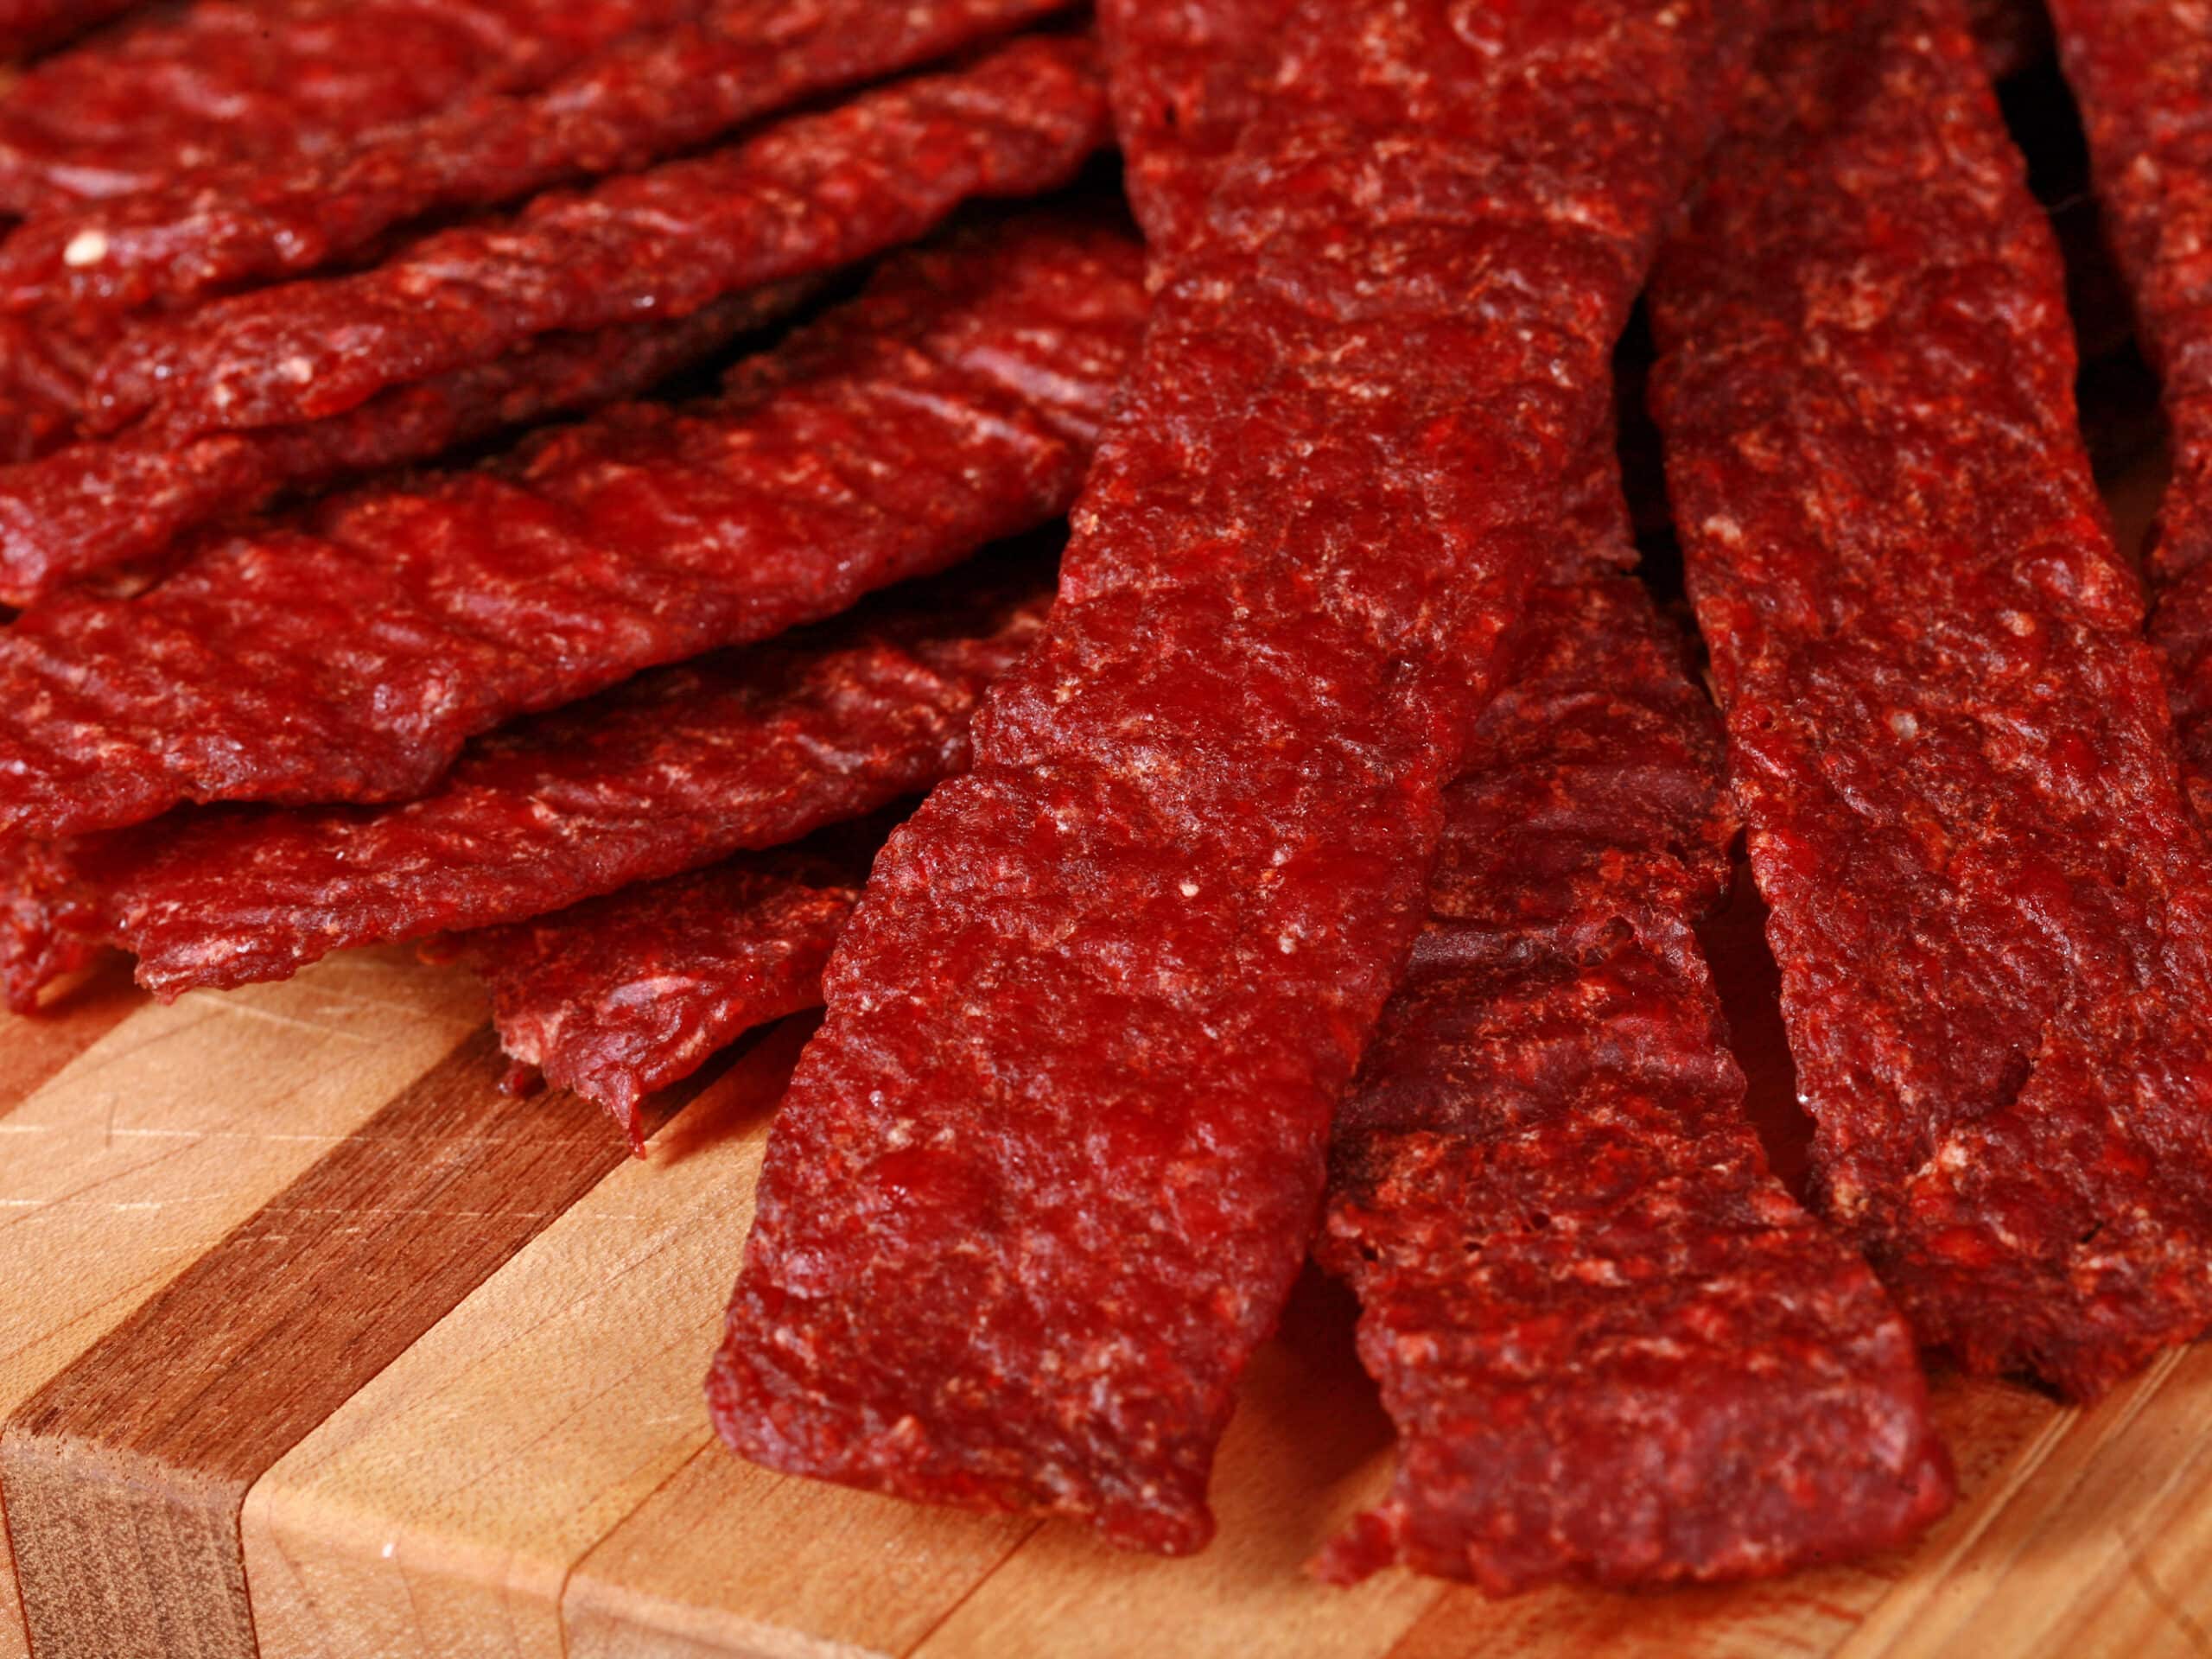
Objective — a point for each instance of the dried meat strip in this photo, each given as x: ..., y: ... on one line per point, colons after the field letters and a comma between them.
x: 346, y: 655
x: 1087, y: 1027
x: 1991, y: 909
x: 670, y: 771
x: 242, y: 81
x: 620, y: 996
x: 1613, y: 1346
x: 640, y: 101
x: 807, y: 195
x: 101, y: 505
x: 2142, y: 72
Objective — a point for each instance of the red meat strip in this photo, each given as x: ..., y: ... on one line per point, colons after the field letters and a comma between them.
x: 44, y: 370
x: 1088, y: 1027
x: 1613, y: 1346
x: 1990, y: 908
x: 97, y: 506
x: 641, y: 101
x: 809, y: 194
x: 232, y: 81
x: 623, y: 995
x: 2142, y: 72
x: 346, y: 655
x: 673, y: 769
x: 27, y: 26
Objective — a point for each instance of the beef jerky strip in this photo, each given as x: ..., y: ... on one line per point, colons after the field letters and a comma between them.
x: 1613, y: 1346
x: 808, y: 195
x: 640, y: 101
x: 236, y: 81
x: 2142, y: 73
x: 1991, y: 909
x: 1089, y: 1024
x: 98, y: 506
x: 27, y: 26
x: 670, y: 771
x: 619, y: 996
x: 346, y: 654
x: 1576, y: 1395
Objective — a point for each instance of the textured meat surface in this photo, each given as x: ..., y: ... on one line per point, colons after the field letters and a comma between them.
x: 30, y: 25
x: 668, y: 771
x: 1613, y: 1346
x: 1949, y: 741
x: 98, y: 504
x: 809, y: 194
x: 1089, y: 1024
x: 229, y: 81
x: 642, y: 98
x: 622, y: 995
x: 346, y: 655
x: 2141, y: 71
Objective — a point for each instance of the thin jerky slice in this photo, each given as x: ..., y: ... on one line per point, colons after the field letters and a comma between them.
x: 809, y: 194
x: 1990, y: 908
x: 1613, y: 1346
x: 237, y: 82
x: 2142, y: 72
x: 623, y: 995
x: 97, y: 506
x: 670, y: 771
x: 1089, y: 1024
x: 346, y: 654
x: 639, y: 101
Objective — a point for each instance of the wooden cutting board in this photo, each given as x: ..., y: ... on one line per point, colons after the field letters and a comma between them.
x: 312, y: 1346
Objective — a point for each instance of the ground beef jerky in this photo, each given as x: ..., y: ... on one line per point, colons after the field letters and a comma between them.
x: 1950, y: 743
x: 2142, y: 72
x: 641, y: 101
x: 623, y: 995
x: 100, y: 504
x: 807, y: 195
x: 1087, y: 1027
x: 1613, y: 1346
x: 232, y: 81
x: 670, y: 771
x: 345, y: 655
x: 1185, y: 79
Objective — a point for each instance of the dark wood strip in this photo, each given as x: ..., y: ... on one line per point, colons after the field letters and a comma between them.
x: 123, y: 1478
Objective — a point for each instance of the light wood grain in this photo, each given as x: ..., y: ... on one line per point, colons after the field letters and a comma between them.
x: 440, y: 1510
x: 173, y: 1126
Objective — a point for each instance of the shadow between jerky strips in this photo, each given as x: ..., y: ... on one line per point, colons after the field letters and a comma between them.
x: 1612, y: 1345
x: 1089, y: 1022
x: 637, y: 100
x: 2142, y: 72
x: 346, y: 653
x: 1990, y: 907
x: 805, y: 194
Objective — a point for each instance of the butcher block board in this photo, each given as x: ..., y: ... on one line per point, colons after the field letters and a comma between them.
x: 314, y: 1345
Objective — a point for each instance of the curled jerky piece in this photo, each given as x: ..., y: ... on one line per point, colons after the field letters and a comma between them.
x: 807, y: 195
x: 670, y: 771
x: 1613, y: 1346
x: 623, y: 995
x: 234, y: 81
x: 2142, y: 72
x: 345, y: 655
x: 1088, y: 1027
x: 99, y: 505
x: 1990, y: 908
x: 639, y: 101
